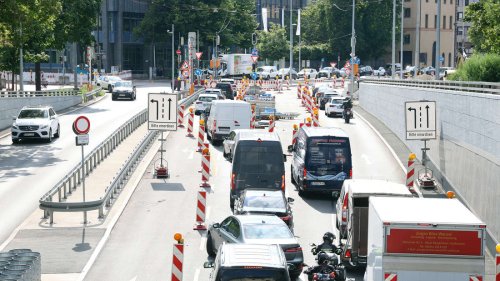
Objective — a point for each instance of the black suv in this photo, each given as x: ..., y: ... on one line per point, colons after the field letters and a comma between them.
x: 227, y: 89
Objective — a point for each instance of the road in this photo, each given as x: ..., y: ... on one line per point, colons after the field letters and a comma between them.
x: 140, y: 245
x: 30, y: 169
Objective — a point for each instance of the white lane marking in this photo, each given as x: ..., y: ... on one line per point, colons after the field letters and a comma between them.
x: 133, y: 279
x: 196, y: 274
x: 366, y: 158
x: 203, y: 242
x: 191, y: 155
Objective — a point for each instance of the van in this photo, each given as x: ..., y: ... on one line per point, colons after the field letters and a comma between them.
x: 249, y: 262
x: 321, y: 161
x: 224, y: 117
x: 352, y: 214
x: 258, y: 162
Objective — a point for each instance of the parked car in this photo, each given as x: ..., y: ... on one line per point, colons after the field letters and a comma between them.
x: 365, y: 71
x: 249, y: 262
x: 253, y: 91
x: 388, y: 68
x: 343, y: 72
x: 334, y: 107
x: 123, y: 89
x: 257, y: 229
x: 309, y: 73
x: 108, y: 82
x: 379, y: 72
x: 226, y: 89
x: 265, y: 202
x: 35, y: 122
x: 267, y: 72
x: 429, y: 70
x: 328, y: 72
x: 203, y: 101
x: 283, y: 72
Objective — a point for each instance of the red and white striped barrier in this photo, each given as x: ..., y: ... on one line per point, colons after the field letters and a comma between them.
x: 177, y: 261
x: 201, y: 136
x: 307, y: 122
x: 201, y: 211
x: 271, y: 124
x: 181, y: 116
x: 295, y: 132
x: 299, y: 91
x: 497, y: 263
x: 390, y: 276
x: 410, y: 173
x: 190, y: 123
x: 205, y: 168
x: 315, y: 117
x: 475, y: 278
x: 252, y: 121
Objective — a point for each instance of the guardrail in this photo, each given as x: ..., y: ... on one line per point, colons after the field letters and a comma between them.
x: 70, y: 182
x: 91, y: 95
x: 33, y: 94
x: 465, y: 86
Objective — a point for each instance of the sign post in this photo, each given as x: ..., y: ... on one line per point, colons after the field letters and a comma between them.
x: 81, y: 127
x: 421, y: 122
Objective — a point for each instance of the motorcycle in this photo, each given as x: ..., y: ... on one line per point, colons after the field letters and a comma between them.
x: 337, y: 274
x: 347, y: 115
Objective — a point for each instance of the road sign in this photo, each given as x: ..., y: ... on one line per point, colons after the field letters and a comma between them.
x: 185, y: 73
x: 356, y: 60
x: 198, y: 55
x: 255, y: 58
x: 441, y: 58
x: 82, y: 139
x: 333, y: 64
x: 162, y: 112
x: 254, y: 75
x: 420, y: 120
x: 81, y: 125
x: 178, y: 52
x: 255, y: 52
x: 213, y: 84
x: 198, y: 72
x: 185, y: 65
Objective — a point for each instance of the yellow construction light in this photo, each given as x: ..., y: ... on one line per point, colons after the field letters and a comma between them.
x: 498, y: 248
x: 202, y: 122
x: 178, y: 238
x: 450, y: 194
x: 295, y: 126
x: 308, y: 119
x: 205, y: 151
x: 191, y: 110
x: 412, y: 157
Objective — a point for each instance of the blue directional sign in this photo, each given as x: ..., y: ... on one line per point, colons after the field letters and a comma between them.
x: 254, y: 75
x: 198, y: 72
x: 356, y: 60
x: 441, y: 58
x: 255, y: 52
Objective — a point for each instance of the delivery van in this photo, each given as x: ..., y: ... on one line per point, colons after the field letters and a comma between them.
x: 226, y: 116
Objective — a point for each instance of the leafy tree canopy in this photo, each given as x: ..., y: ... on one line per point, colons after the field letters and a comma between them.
x: 273, y: 45
x: 484, y: 32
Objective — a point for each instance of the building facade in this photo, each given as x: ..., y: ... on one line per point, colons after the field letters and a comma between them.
x: 462, y: 28
x: 419, y: 36
x: 278, y: 10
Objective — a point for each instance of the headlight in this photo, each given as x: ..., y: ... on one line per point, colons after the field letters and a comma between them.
x: 14, y: 126
x: 44, y: 127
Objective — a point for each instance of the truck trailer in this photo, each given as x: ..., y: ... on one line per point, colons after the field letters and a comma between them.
x: 236, y: 65
x: 423, y: 239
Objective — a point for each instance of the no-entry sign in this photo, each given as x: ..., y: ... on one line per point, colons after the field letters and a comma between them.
x: 81, y: 125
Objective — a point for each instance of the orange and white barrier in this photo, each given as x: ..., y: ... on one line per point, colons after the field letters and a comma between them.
x: 252, y: 121
x: 271, y: 124
x: 201, y: 136
x: 315, y: 117
x: 201, y: 211
x: 307, y: 122
x: 497, y: 263
x: 295, y: 132
x: 410, y: 173
x: 299, y: 91
x: 190, y: 123
x: 180, y: 118
x: 205, y: 168
x: 475, y: 278
x: 390, y: 276
x: 177, y: 261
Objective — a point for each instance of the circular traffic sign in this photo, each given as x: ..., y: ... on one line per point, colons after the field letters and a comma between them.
x: 81, y: 125
x: 213, y: 84
x: 178, y: 52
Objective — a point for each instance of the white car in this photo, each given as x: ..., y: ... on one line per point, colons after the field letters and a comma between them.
x: 36, y: 122
x: 108, y: 82
x: 287, y: 72
x: 379, y: 72
x: 334, y: 107
x: 310, y: 73
x: 203, y: 101
x: 230, y: 143
x: 267, y: 72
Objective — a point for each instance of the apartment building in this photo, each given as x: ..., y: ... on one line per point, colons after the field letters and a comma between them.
x: 462, y: 28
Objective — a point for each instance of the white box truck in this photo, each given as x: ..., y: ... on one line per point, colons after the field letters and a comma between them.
x: 423, y: 239
x: 236, y: 65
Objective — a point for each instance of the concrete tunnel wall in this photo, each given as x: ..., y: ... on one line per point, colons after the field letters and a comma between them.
x: 467, y: 148
x: 11, y: 106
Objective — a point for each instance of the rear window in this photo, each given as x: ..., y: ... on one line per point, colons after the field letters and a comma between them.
x: 266, y: 231
x: 208, y: 99
x: 252, y: 273
x: 259, y: 157
x: 336, y: 101
x: 264, y: 202
x: 328, y: 153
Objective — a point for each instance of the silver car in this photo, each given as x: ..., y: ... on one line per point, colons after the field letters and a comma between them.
x: 230, y: 143
x: 35, y: 122
x: 257, y: 229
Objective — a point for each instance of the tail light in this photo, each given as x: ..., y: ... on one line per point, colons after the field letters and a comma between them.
x: 348, y: 253
x: 305, y: 173
x: 344, y: 214
x: 233, y: 181
x: 350, y: 173
x: 283, y: 182
x: 315, y: 276
x: 332, y: 275
x: 293, y: 250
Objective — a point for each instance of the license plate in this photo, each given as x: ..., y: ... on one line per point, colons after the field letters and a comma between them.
x: 223, y: 129
x: 29, y: 134
x: 122, y: 95
x: 317, y: 183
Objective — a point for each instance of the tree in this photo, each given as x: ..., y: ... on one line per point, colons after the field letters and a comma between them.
x: 273, y: 45
x: 484, y: 32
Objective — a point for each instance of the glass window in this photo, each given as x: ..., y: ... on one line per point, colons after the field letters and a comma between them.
x: 444, y: 22
x: 207, y: 99
x: 233, y: 227
x: 266, y: 231
x: 435, y: 21
x: 460, y: 15
x: 451, y: 23
x: 33, y: 114
x: 258, y: 201
x: 51, y: 112
x: 327, y: 154
x: 407, y: 12
x: 426, y: 21
x: 406, y: 39
x: 466, y: 3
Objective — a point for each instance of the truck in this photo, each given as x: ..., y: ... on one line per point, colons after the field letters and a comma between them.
x: 236, y: 65
x: 422, y: 239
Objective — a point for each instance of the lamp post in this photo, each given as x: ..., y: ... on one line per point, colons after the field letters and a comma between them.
x: 438, y: 39
x: 402, y: 35
x: 173, y: 56
x: 291, y: 37
x: 393, y: 66
x: 353, y: 46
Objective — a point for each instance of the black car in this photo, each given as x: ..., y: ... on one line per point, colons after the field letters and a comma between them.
x: 226, y: 88
x: 366, y: 71
x: 123, y: 90
x: 267, y: 202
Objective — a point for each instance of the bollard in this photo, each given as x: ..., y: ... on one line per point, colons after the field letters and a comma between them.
x: 190, y: 123
x: 200, y: 211
x: 181, y: 116
x: 252, y: 121
x: 308, y: 122
x: 315, y: 118
x: 201, y: 135
x: 205, y: 169
x: 497, y: 263
x: 295, y: 132
x: 177, y: 258
x: 410, y: 173
x: 271, y: 123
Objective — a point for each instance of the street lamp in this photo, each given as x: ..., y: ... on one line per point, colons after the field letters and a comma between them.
x: 291, y: 37
x: 173, y: 62
x: 353, y: 47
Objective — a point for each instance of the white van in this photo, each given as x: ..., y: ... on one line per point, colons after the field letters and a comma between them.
x: 226, y: 116
x: 352, y: 214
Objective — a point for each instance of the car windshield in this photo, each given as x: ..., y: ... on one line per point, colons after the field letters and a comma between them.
x: 266, y: 231
x: 123, y: 84
x: 336, y: 101
x: 113, y: 78
x: 328, y: 154
x: 33, y: 114
x: 262, y: 201
x: 207, y: 98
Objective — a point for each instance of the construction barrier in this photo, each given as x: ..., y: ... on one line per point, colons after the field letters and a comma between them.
x: 390, y: 276
x: 295, y: 132
x: 308, y: 122
x: 178, y: 258
x: 201, y: 136
x: 252, y: 121
x: 205, y: 168
x: 475, y: 278
x: 190, y: 123
x: 315, y: 117
x: 497, y: 263
x: 181, y: 116
x: 271, y: 124
x: 410, y: 173
x: 201, y: 211
x: 299, y: 91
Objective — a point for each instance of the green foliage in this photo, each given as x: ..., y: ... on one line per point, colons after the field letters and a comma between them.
x: 484, y: 32
x: 330, y: 22
x: 480, y: 67
x: 312, y: 51
x: 232, y: 19
x: 273, y: 45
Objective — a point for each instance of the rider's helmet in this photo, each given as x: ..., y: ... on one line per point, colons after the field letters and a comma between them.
x: 328, y: 237
x: 322, y: 258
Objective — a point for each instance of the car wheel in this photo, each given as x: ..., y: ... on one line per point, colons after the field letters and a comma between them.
x: 291, y: 175
x: 58, y: 133
x: 210, y: 246
x: 113, y: 97
x: 268, y: 77
x: 230, y: 156
x: 49, y: 140
x: 109, y: 88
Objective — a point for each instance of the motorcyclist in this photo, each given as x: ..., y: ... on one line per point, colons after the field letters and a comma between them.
x: 347, y: 104
x: 327, y: 245
x: 322, y: 267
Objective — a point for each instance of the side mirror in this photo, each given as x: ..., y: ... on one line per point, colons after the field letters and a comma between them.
x: 290, y: 199
x: 312, y: 245
x: 216, y: 225
x: 290, y: 148
x: 208, y: 264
